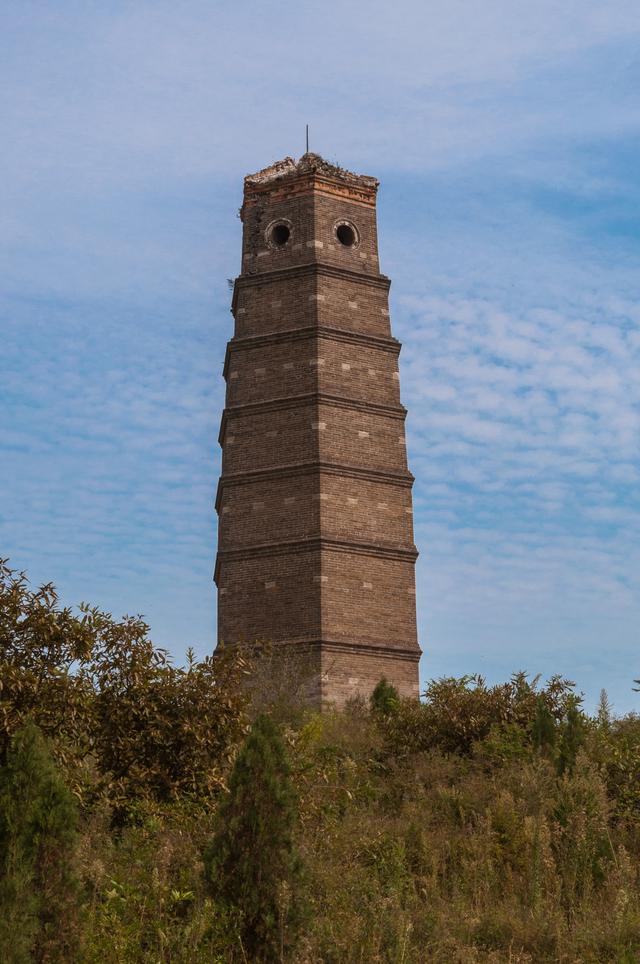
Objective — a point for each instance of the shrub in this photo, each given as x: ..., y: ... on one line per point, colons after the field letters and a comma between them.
x: 384, y: 699
x: 38, y: 887
x: 457, y: 713
x: 41, y: 646
x: 124, y: 722
x: 160, y: 732
x: 251, y: 864
x: 572, y: 737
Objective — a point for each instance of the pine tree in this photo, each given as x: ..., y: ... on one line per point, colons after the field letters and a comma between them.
x: 385, y: 698
x: 543, y: 730
x: 251, y: 864
x: 572, y: 738
x: 604, y: 714
x: 38, y: 891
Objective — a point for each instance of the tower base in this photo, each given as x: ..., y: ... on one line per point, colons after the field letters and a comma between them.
x: 329, y: 673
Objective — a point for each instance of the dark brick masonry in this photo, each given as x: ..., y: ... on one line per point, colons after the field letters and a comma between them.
x: 315, y: 536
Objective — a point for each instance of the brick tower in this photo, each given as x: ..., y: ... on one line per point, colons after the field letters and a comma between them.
x: 315, y: 539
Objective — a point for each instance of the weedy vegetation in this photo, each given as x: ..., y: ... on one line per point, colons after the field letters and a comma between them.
x: 157, y: 813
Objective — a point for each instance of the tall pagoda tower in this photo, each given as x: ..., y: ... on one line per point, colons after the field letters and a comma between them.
x: 315, y: 537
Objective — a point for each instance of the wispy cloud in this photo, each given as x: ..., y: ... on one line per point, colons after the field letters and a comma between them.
x: 524, y: 433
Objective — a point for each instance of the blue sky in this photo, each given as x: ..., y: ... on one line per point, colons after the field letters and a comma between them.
x: 505, y: 135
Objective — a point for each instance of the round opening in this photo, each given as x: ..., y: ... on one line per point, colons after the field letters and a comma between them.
x: 279, y: 234
x: 346, y: 235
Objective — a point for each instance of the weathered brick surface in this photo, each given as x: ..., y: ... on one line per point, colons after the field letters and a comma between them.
x: 357, y: 670
x: 266, y: 437
x: 359, y: 371
x: 330, y: 362
x: 368, y: 599
x: 273, y: 597
x: 367, y: 439
x: 270, y: 304
x: 379, y: 511
x: 260, y: 511
x: 371, y: 296
x: 315, y: 546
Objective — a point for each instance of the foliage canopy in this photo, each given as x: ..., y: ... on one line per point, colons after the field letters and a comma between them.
x: 127, y: 724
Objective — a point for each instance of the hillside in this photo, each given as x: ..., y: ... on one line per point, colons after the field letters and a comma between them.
x: 485, y: 823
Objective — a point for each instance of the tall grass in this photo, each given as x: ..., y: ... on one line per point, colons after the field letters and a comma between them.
x: 493, y: 852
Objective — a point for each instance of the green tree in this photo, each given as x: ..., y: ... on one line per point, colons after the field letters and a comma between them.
x: 41, y: 647
x: 38, y: 888
x: 385, y: 698
x: 251, y: 864
x: 123, y: 721
x: 572, y: 737
x: 543, y: 730
x: 604, y: 714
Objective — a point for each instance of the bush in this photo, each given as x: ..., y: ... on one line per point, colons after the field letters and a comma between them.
x: 125, y: 723
x: 385, y: 698
x: 485, y: 824
x: 458, y: 713
x: 251, y: 864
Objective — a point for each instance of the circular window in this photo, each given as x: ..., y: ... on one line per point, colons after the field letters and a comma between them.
x: 346, y: 234
x: 278, y: 234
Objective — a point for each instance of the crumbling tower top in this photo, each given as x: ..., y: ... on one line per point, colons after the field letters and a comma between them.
x: 306, y: 212
x: 287, y: 178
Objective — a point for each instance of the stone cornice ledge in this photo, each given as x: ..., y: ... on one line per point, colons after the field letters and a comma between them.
x: 399, y: 553
x: 295, y: 469
x: 316, y: 268
x: 344, y: 335
x: 371, y: 647
x: 310, y: 398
